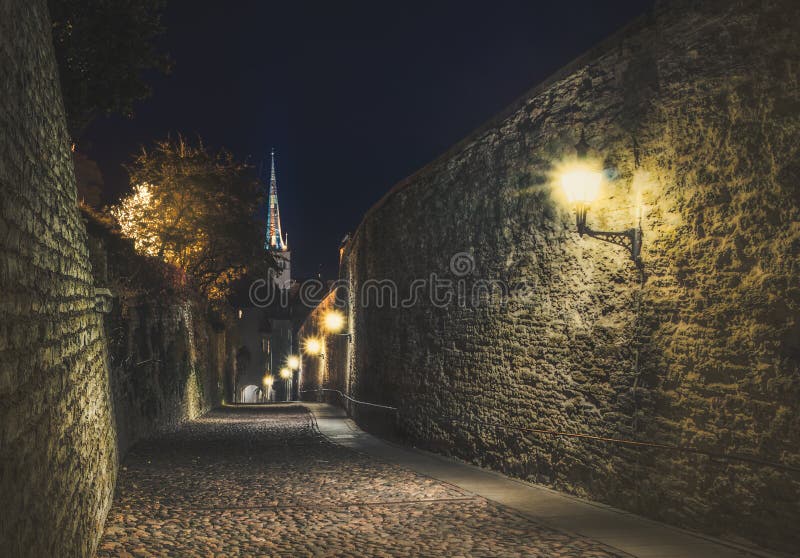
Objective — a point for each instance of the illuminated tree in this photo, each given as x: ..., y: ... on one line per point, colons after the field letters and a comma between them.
x: 195, y: 209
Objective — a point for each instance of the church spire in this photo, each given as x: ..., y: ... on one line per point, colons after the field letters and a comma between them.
x: 274, y: 241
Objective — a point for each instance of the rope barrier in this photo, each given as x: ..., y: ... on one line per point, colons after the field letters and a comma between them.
x: 684, y: 449
x: 351, y: 399
x: 670, y: 447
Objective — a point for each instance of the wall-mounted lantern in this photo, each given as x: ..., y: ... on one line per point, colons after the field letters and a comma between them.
x: 313, y: 346
x: 334, y: 321
x: 581, y: 183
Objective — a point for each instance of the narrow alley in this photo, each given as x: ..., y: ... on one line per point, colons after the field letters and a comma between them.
x: 540, y: 300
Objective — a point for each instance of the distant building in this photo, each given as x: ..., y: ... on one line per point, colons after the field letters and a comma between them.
x: 266, y: 333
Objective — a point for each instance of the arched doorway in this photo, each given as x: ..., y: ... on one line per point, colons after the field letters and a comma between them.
x: 250, y: 394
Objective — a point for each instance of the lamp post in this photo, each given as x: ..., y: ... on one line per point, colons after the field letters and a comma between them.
x: 313, y: 346
x: 268, y: 381
x: 581, y: 183
x: 293, y: 364
x: 286, y: 374
x: 334, y: 322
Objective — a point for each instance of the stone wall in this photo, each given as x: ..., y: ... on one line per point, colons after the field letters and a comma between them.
x: 77, y: 388
x: 57, y: 442
x: 694, y: 113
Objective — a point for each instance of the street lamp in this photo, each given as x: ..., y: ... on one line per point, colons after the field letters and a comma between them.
x: 268, y: 381
x: 581, y: 182
x: 334, y: 321
x: 286, y: 374
x: 313, y: 346
x: 294, y: 363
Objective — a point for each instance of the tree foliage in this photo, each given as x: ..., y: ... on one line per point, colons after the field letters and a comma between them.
x: 103, y: 48
x: 196, y: 209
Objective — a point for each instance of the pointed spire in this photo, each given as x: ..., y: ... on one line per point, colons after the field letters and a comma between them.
x: 273, y: 182
x: 274, y: 240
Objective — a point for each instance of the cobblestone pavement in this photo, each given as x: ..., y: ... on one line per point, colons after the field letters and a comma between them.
x: 261, y: 481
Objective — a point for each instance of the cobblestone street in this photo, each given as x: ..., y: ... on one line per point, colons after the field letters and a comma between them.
x: 263, y: 482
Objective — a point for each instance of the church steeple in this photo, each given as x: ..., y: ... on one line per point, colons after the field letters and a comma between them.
x: 274, y: 241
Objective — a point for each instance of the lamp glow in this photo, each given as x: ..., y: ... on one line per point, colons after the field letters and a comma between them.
x: 312, y: 346
x: 268, y: 381
x: 581, y: 182
x: 333, y: 321
x: 293, y: 362
x: 285, y: 373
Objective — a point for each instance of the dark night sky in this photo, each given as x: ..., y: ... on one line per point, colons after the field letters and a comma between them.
x: 353, y: 95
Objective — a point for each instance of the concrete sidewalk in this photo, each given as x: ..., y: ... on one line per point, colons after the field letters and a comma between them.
x: 616, y: 528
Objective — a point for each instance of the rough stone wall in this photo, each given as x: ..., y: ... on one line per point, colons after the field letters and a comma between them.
x: 57, y: 446
x: 694, y: 112
x: 166, y: 358
x: 76, y: 389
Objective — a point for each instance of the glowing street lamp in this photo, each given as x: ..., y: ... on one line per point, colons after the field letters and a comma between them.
x: 333, y: 320
x: 581, y: 182
x: 312, y: 346
x: 294, y: 362
x: 268, y: 381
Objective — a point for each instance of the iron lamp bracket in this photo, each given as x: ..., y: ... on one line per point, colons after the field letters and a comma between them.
x: 630, y: 239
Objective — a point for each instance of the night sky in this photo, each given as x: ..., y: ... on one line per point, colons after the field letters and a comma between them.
x: 354, y: 96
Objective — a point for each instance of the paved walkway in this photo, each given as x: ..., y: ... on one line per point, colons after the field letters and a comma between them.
x: 262, y: 481
x: 279, y: 481
x: 629, y: 534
